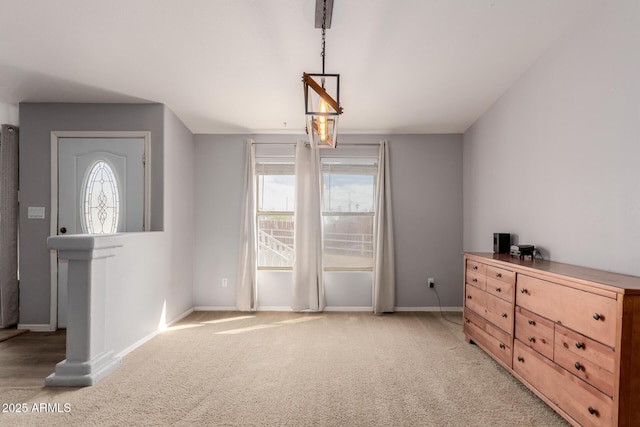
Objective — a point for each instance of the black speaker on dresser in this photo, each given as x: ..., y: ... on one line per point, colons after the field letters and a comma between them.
x: 501, y: 243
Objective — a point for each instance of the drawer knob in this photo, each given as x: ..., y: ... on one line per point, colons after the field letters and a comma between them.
x: 597, y: 316
x: 498, y: 290
x: 532, y: 322
x: 578, y: 366
x: 592, y: 411
x: 520, y: 359
x: 502, y: 346
x: 531, y: 339
x: 468, y: 296
x: 498, y: 275
x: 579, y: 344
x: 523, y: 290
x: 475, y: 267
x: 504, y: 315
x: 474, y: 280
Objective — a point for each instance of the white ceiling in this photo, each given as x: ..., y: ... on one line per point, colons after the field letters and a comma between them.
x: 235, y: 66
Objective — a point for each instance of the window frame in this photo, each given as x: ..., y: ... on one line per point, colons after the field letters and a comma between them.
x: 345, y: 163
x: 271, y: 167
x: 101, y: 166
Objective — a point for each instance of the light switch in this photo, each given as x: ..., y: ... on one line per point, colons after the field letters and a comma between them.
x: 35, y: 212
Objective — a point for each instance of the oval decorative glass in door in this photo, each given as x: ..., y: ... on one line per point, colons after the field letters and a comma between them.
x: 101, y: 201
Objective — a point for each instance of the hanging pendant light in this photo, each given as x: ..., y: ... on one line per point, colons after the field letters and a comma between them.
x: 322, y: 94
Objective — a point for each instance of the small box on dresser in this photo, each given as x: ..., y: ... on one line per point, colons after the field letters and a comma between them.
x: 570, y: 334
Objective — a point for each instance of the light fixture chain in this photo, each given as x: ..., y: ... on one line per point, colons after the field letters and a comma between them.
x: 324, y: 30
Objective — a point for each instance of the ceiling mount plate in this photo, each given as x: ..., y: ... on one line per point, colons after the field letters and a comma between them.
x: 319, y: 14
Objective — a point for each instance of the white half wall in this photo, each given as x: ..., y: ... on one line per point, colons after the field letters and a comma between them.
x: 555, y: 160
x: 123, y: 284
x: 139, y: 289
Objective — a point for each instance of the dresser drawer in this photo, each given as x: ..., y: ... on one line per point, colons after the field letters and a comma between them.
x: 491, y: 339
x: 585, y: 358
x: 500, y: 282
x: 535, y: 331
x: 476, y: 279
x: 495, y: 310
x: 582, y: 402
x: 478, y: 267
x: 591, y: 314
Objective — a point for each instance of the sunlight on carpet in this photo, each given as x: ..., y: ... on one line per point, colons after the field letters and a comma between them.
x: 293, y: 369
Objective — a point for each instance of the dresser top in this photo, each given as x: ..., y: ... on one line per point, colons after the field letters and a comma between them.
x: 620, y: 283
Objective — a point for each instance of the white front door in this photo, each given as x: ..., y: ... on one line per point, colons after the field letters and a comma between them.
x: 100, y: 191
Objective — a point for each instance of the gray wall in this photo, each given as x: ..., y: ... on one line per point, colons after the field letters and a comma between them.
x: 36, y: 123
x: 179, y: 214
x: 427, y: 201
x: 555, y: 160
x: 426, y: 181
x: 219, y: 171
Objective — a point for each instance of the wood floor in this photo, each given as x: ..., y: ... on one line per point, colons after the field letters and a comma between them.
x: 26, y: 360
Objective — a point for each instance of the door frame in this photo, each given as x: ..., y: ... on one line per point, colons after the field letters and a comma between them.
x: 53, y: 231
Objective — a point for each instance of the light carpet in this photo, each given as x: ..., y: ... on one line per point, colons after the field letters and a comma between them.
x: 296, y: 369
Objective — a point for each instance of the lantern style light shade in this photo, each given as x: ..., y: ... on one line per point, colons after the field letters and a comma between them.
x: 322, y: 107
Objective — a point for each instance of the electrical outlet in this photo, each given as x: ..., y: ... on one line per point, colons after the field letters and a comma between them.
x: 225, y: 282
x: 431, y: 282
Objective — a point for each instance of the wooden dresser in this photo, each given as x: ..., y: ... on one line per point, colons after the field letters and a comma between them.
x: 570, y: 334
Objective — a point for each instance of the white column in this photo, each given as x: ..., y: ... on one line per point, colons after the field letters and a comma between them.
x: 88, y: 360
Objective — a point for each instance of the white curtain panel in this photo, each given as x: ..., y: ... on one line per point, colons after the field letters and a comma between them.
x: 246, y: 288
x: 384, y: 283
x: 308, y: 287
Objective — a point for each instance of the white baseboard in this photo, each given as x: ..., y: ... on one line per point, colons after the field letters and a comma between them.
x: 152, y: 334
x: 274, y: 308
x: 279, y: 308
x: 285, y: 308
x: 44, y: 327
x: 137, y: 344
x: 370, y: 309
x: 181, y: 316
x: 213, y: 308
x: 457, y: 309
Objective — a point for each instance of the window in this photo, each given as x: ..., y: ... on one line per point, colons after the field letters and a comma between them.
x: 101, y: 201
x: 275, y: 202
x: 348, y: 202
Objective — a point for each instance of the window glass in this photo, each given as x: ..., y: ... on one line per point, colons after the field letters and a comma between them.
x: 348, y: 192
x: 348, y: 200
x: 101, y: 204
x: 348, y: 242
x: 276, y: 193
x: 275, y: 202
x: 275, y: 241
